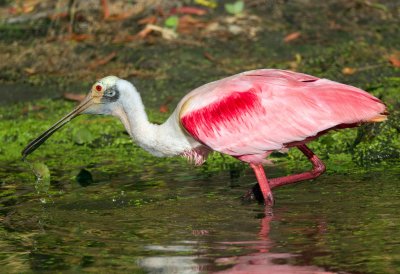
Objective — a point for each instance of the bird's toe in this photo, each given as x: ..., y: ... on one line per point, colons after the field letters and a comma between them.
x: 254, y: 194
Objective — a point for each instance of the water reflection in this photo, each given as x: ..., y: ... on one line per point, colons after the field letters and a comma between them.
x: 171, y: 264
x: 128, y: 224
x: 262, y: 261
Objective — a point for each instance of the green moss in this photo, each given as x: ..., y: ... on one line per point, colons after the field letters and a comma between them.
x: 93, y: 139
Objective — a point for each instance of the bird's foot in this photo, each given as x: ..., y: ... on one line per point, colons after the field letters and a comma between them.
x: 254, y: 194
x: 249, y: 197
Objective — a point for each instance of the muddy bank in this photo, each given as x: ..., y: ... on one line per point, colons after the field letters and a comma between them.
x: 350, y: 42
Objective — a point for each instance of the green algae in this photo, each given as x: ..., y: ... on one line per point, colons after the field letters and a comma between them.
x: 102, y: 139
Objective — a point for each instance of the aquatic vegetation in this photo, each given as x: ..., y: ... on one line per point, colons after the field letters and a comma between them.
x: 96, y: 140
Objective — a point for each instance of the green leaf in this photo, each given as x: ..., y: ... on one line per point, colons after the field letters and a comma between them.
x: 234, y: 8
x: 83, y: 136
x: 172, y: 22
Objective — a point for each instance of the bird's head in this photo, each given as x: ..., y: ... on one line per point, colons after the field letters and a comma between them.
x: 104, y: 97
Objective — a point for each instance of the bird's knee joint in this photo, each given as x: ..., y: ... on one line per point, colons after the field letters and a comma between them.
x: 319, y: 169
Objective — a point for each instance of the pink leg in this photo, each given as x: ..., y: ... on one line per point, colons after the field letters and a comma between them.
x: 263, y: 183
x: 318, y: 169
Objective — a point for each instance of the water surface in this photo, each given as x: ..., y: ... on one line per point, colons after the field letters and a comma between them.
x: 170, y: 220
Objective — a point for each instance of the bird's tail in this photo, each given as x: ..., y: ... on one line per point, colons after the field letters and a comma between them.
x: 380, y: 117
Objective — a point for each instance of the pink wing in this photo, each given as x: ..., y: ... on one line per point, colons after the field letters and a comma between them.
x: 262, y: 110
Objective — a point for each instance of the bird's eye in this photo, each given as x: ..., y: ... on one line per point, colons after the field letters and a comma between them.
x: 98, y: 87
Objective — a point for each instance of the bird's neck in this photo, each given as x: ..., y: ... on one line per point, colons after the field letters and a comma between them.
x: 166, y: 139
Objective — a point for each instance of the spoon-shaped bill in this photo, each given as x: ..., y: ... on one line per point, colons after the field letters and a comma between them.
x: 32, y: 146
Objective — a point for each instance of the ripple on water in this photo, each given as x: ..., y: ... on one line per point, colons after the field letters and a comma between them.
x: 339, y: 223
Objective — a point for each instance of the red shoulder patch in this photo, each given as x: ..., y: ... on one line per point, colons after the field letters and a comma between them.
x: 225, y: 114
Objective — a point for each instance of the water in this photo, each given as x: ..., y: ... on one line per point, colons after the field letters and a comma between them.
x: 170, y: 220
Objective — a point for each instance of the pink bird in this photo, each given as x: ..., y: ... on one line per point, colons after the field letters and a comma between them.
x: 247, y: 115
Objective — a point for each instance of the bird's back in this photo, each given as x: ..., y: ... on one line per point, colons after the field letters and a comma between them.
x: 264, y: 110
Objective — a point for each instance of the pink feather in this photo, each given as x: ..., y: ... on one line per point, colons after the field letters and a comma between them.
x: 248, y: 115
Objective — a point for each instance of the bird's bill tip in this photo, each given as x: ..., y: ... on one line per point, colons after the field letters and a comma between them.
x: 33, y: 145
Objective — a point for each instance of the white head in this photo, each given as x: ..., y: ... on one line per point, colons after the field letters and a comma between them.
x: 106, y: 97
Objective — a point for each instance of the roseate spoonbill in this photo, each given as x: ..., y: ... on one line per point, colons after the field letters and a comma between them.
x: 247, y: 115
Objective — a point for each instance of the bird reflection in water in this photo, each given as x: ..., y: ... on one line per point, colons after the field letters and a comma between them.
x: 259, y: 262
